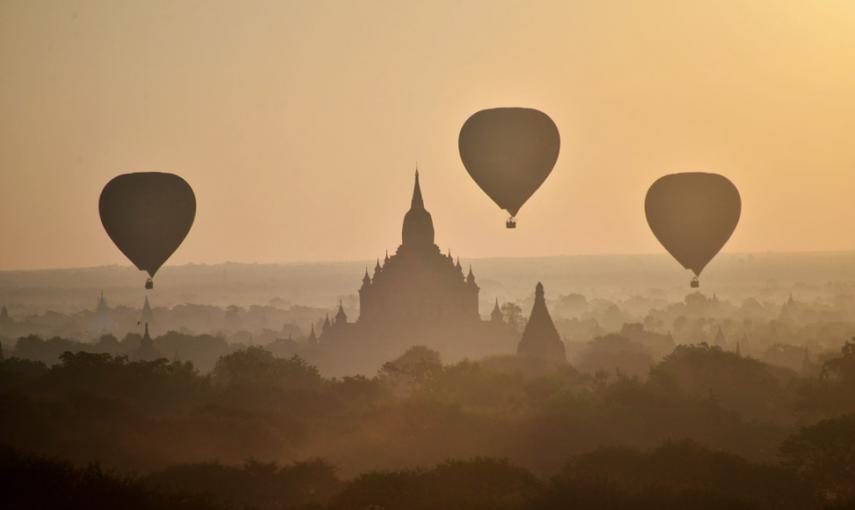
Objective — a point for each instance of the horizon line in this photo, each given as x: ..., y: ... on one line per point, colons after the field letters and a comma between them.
x: 489, y: 257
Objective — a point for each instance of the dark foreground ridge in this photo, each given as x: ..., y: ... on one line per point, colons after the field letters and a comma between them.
x: 673, y: 476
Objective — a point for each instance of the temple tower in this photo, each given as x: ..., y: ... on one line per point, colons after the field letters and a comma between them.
x: 540, y: 339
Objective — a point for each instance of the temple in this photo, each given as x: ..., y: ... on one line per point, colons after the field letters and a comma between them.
x: 418, y: 283
x: 540, y: 339
x: 146, y: 351
x: 416, y: 296
x: 4, y: 316
x: 147, y: 316
x: 102, y: 322
x: 7, y: 324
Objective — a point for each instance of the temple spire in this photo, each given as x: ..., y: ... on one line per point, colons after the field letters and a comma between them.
x: 417, y: 202
x: 102, y: 303
x: 719, y: 337
x: 147, y: 315
x: 470, y: 278
x: 806, y: 362
x: 540, y: 339
x: 147, y: 351
x: 496, y: 315
x: 417, y: 231
x: 340, y: 316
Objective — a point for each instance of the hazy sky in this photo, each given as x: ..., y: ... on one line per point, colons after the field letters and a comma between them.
x: 299, y: 124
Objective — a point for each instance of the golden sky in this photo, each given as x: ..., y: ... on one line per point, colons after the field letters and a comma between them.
x: 298, y: 124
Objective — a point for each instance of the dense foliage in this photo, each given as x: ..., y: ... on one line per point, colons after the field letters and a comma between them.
x: 706, y: 429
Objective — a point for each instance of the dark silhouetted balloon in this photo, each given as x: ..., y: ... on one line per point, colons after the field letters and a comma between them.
x: 147, y: 215
x: 509, y: 152
x: 693, y: 216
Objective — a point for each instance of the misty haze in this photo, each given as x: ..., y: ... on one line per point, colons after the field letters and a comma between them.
x: 465, y: 255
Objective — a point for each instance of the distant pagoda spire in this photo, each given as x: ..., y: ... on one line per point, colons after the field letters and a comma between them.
x: 806, y: 362
x: 102, y: 304
x: 540, y: 339
x: 470, y: 278
x: 313, y: 338
x: 340, y: 316
x: 147, y: 351
x: 5, y: 320
x: 496, y: 314
x: 719, y: 337
x: 102, y: 323
x: 147, y: 315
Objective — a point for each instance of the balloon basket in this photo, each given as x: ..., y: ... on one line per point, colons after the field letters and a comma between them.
x: 695, y: 283
x: 149, y: 284
x: 511, y: 223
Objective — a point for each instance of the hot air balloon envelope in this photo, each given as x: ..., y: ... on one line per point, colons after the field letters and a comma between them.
x: 693, y: 215
x: 509, y: 152
x: 147, y: 215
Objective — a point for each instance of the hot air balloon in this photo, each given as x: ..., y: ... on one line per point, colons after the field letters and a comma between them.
x: 147, y: 215
x: 509, y: 152
x: 693, y: 216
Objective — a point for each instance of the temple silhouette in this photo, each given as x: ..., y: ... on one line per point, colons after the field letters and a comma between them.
x: 146, y: 350
x: 418, y: 283
x: 540, y: 339
x: 147, y: 315
x: 421, y: 296
x: 102, y: 323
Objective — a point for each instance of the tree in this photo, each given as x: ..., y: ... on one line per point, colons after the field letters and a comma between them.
x: 410, y: 371
x: 615, y: 353
x: 749, y: 387
x: 477, y: 484
x: 262, y: 485
x: 825, y: 455
x: 255, y: 367
x: 512, y: 314
x: 842, y: 369
x: 26, y: 477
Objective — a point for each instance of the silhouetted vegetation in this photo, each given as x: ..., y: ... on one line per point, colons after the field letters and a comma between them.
x: 672, y: 476
x: 761, y: 436
x: 37, y: 482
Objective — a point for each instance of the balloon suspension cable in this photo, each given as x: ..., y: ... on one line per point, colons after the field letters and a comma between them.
x: 695, y: 283
x: 149, y: 284
x: 511, y: 223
